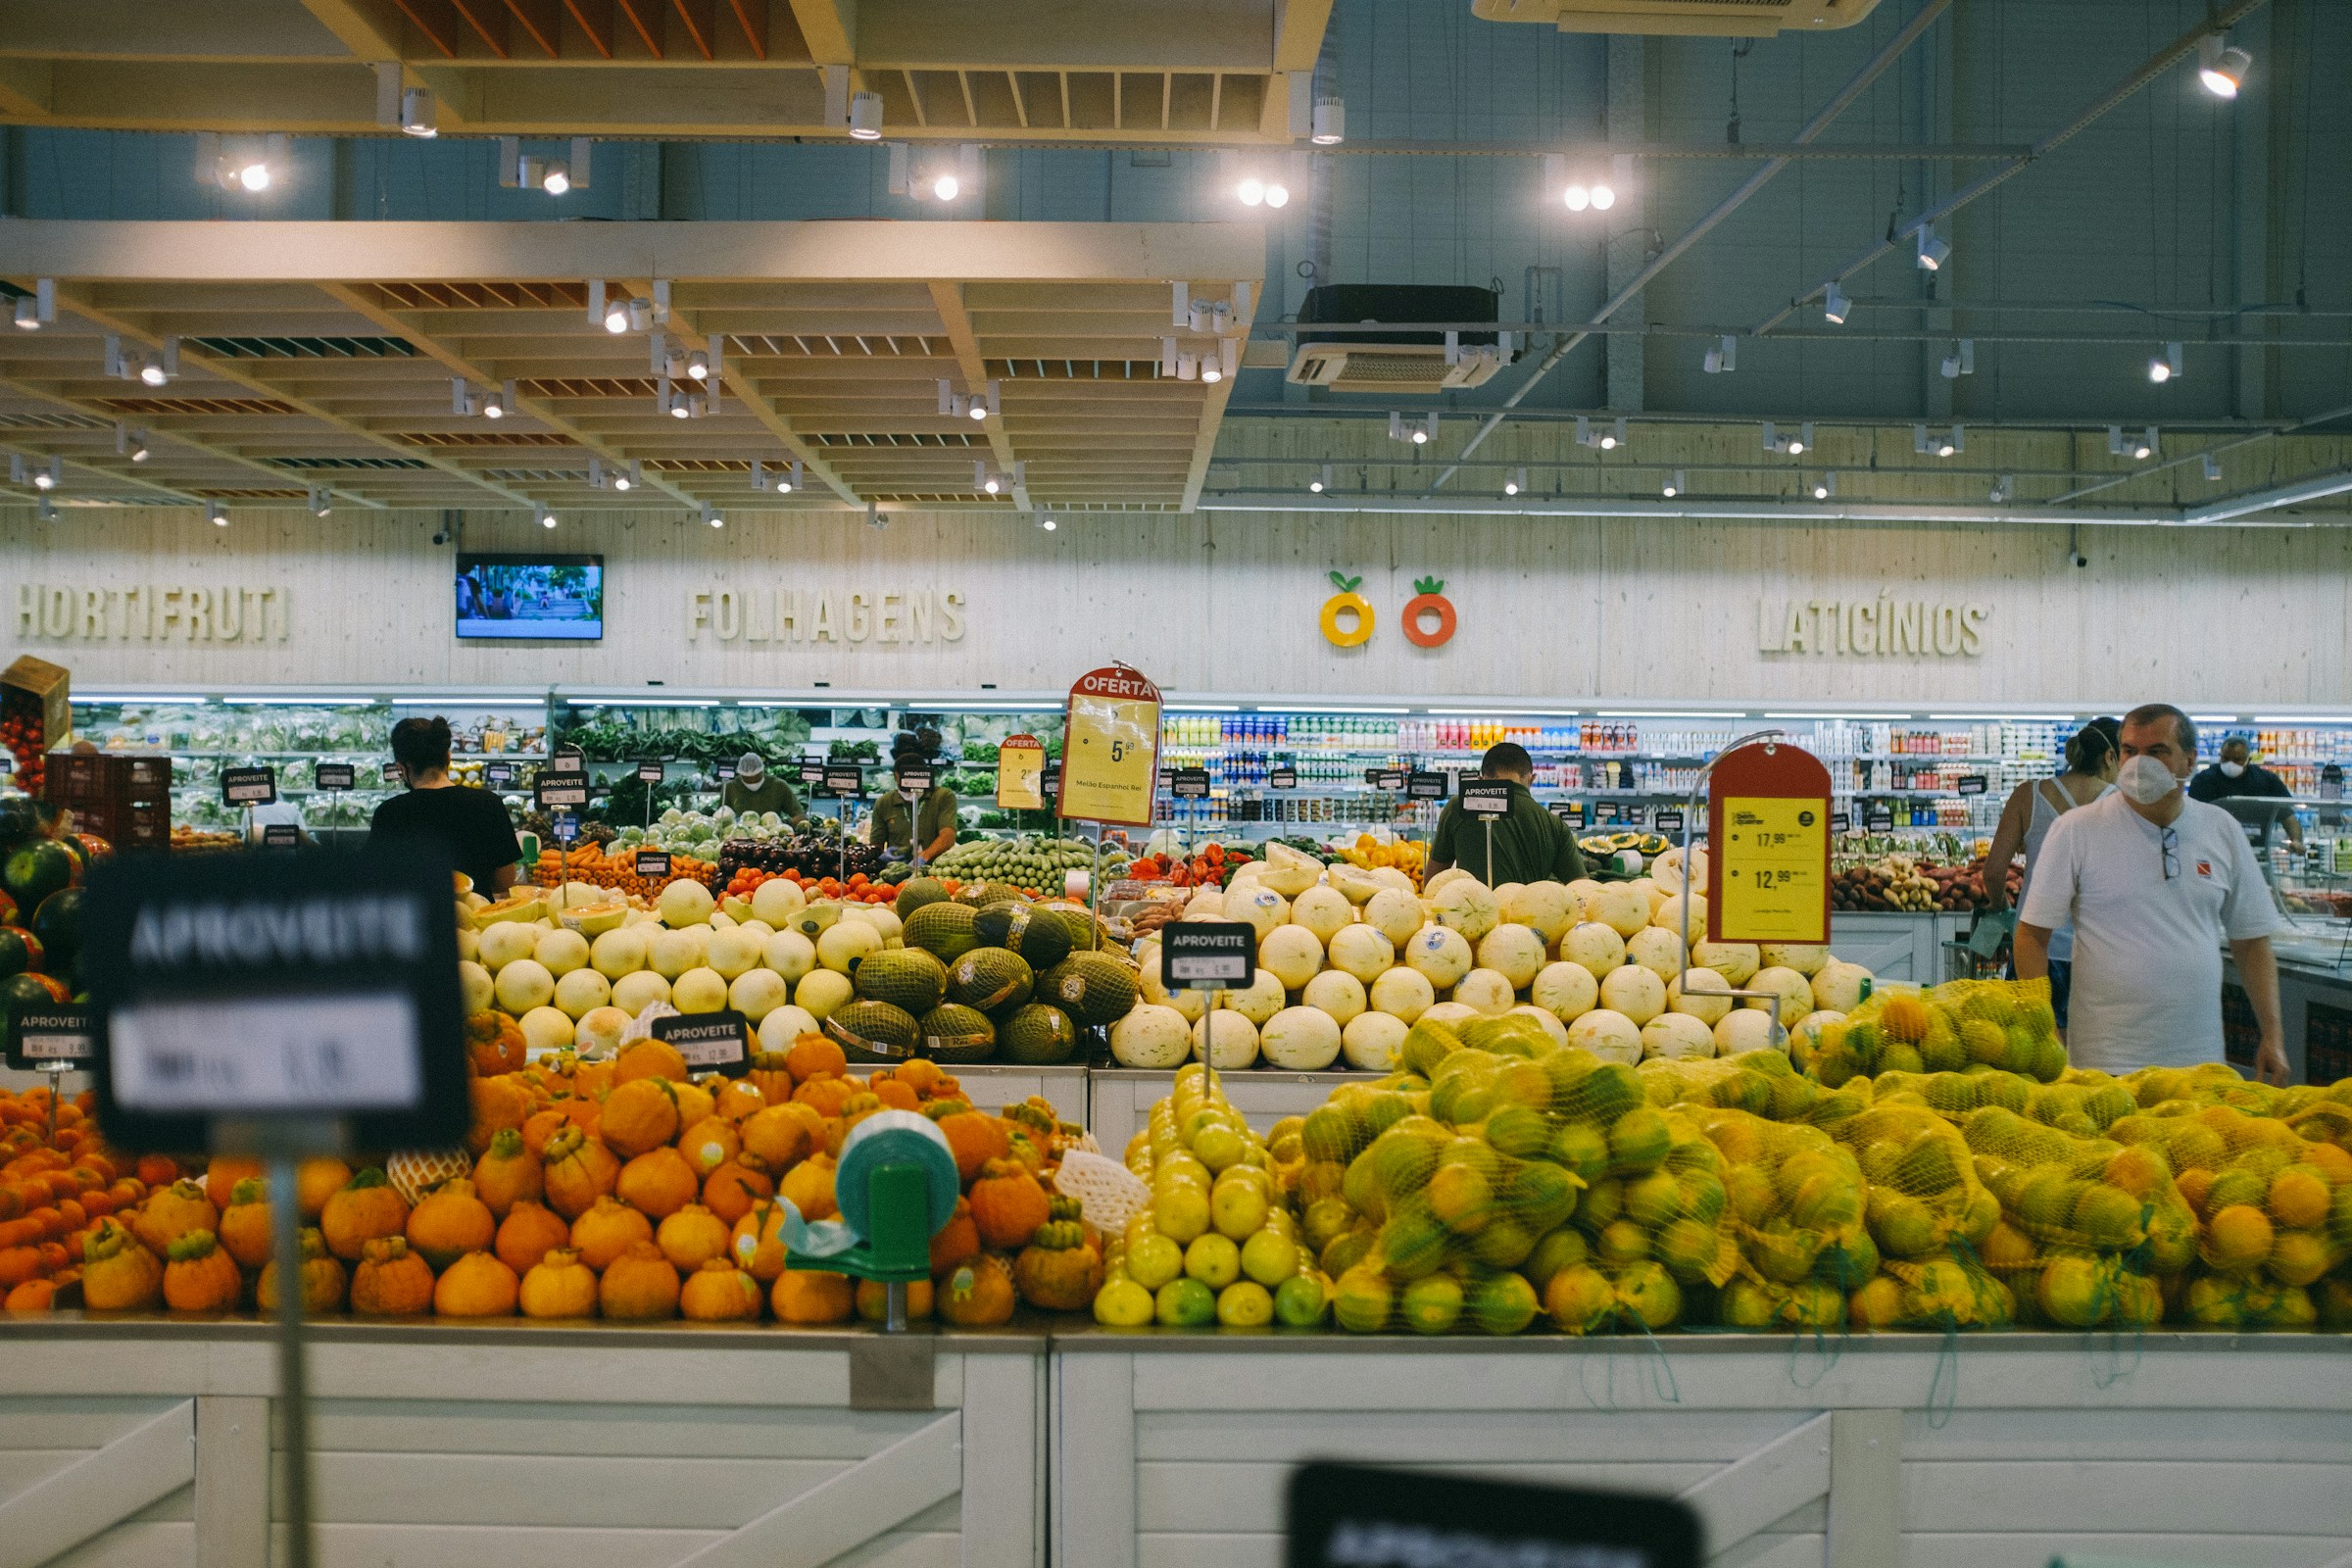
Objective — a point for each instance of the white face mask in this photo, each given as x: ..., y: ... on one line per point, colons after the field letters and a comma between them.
x: 2232, y: 769
x: 2145, y: 780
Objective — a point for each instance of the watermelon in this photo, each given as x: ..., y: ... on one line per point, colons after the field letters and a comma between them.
x: 20, y: 822
x: 20, y: 951
x: 30, y: 991
x: 93, y: 848
x: 8, y: 909
x: 73, y: 846
x: 35, y: 869
x: 56, y: 926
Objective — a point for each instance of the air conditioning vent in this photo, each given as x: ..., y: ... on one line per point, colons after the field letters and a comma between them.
x: 1365, y: 368
x: 1456, y: 347
x: 1721, y: 19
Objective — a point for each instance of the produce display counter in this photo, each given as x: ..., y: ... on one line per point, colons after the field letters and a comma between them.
x: 145, y: 1441
x: 1979, y: 1452
x: 2315, y: 1012
x: 994, y: 1084
x: 1897, y: 946
x: 1123, y: 1096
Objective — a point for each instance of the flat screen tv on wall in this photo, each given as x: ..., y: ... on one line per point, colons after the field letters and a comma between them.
x: 531, y: 596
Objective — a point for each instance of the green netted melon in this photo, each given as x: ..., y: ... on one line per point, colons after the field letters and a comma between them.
x: 1083, y: 932
x: 1040, y: 937
x: 955, y: 1034
x: 860, y: 1027
x: 907, y: 978
x: 1092, y: 988
x: 1036, y: 1036
x: 990, y: 979
x: 980, y: 894
x: 917, y: 891
x: 943, y: 930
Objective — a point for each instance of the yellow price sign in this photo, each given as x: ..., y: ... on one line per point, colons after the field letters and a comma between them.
x: 1775, y: 859
x: 1020, y: 772
x: 1111, y: 748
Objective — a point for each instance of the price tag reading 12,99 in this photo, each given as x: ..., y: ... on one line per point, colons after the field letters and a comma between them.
x: 1768, y: 820
x: 1111, y: 748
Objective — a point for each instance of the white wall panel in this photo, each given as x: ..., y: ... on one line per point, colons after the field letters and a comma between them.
x: 1577, y: 610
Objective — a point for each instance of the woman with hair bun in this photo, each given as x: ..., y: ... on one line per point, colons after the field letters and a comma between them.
x: 2093, y: 758
x: 470, y: 826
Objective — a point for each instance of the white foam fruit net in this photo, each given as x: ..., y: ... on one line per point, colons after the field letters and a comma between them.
x: 1108, y: 1194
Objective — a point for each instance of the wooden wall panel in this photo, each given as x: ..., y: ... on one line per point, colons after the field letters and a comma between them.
x: 1563, y: 610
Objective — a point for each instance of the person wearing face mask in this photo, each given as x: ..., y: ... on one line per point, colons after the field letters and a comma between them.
x: 2154, y: 884
x: 2033, y: 808
x: 2237, y: 774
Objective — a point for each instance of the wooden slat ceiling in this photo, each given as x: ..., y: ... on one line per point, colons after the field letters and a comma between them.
x: 1037, y: 70
x: 833, y: 339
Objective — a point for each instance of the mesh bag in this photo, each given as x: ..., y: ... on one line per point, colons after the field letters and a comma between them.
x: 1996, y: 1023
x: 1796, y: 1200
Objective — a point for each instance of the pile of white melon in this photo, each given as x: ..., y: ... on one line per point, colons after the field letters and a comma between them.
x: 1349, y: 959
x: 579, y: 971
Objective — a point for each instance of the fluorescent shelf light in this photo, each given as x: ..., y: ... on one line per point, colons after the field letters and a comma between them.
x: 1669, y: 712
x: 2213, y: 718
x: 1322, y: 708
x: 295, y: 702
x: 2010, y: 719
x: 1502, y: 712
x: 461, y: 700
x: 2281, y: 719
x: 1204, y: 708
x: 135, y: 699
x: 1841, y: 715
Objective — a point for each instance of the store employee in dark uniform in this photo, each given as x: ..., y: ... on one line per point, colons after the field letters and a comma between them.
x: 900, y: 828
x: 471, y: 825
x: 2239, y: 774
x: 1530, y: 845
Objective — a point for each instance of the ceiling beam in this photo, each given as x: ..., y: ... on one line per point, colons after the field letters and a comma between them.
x: 948, y: 298
x: 830, y: 27
x: 27, y: 88
x: 369, y: 28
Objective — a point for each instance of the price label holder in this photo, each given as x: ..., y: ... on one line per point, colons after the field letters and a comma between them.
x: 722, y: 773
x: 649, y: 770
x: 1486, y: 799
x: 498, y: 775
x: 1390, y: 779
x: 1167, y: 780
x: 1111, y: 748
x: 1636, y: 815
x: 1209, y: 956
x: 1020, y: 769
x: 565, y: 825
x: 653, y: 864
x: 249, y: 785
x: 335, y: 776
x: 1425, y: 786
x: 1571, y: 813
x: 561, y: 791
x: 280, y: 1009
x: 1357, y: 1516
x: 1372, y: 776
x: 1189, y: 783
x: 50, y: 1037
x: 1768, y: 820
x: 1970, y: 784
x: 812, y: 775
x: 711, y: 1042
x: 394, y: 775
x: 1049, y: 783
x: 845, y: 781
x: 1668, y: 822
x: 1841, y: 822
x: 280, y: 836
x: 914, y: 783
x: 1282, y: 778
x: 1604, y: 814
x: 1880, y: 819
x: 8, y: 764
x: 568, y: 760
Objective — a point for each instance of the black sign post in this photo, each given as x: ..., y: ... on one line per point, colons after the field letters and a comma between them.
x: 1486, y: 799
x: 280, y: 1009
x: 249, y: 785
x: 1355, y: 1516
x: 498, y: 775
x: 1211, y: 957
x: 280, y: 836
x: 560, y: 790
x: 1282, y: 778
x: 653, y: 864
x: 1422, y: 785
x: 845, y: 783
x: 1189, y: 784
x: 711, y: 1042
x: 52, y: 1038
x: 1970, y: 784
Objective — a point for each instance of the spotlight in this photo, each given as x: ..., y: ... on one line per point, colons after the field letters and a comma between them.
x: 2163, y: 368
x: 1188, y: 368
x: 1788, y: 444
x: 979, y: 410
x: 496, y: 404
x: 216, y: 515
x: 865, y: 116
x: 1674, y: 485
x: 991, y: 485
x: 874, y: 518
x: 47, y: 510
x: 2144, y: 447
x: 1314, y: 486
x: 680, y: 408
x: 2213, y: 469
x: 547, y: 519
x: 1211, y: 372
x: 1723, y: 358
x: 698, y: 366
x: 1515, y: 483
x: 2004, y: 489
x: 152, y: 372
x: 1835, y: 305
x: 2223, y: 69
x: 714, y: 518
x: 1604, y: 197
x: 2140, y: 448
x: 1320, y: 482
x: 1603, y: 440
x: 130, y: 443
x: 1951, y: 442
x: 416, y: 113
x: 620, y: 481
x: 1962, y: 361
x: 1934, y: 252
x: 1577, y: 197
x: 1277, y: 194
x: 28, y: 314
x: 557, y: 181
x: 1330, y: 123
x: 1251, y: 192
x: 1047, y: 524
x: 947, y: 187
x: 44, y: 481
x: 138, y: 453
x: 254, y: 175
x: 1824, y: 487
x: 322, y: 501
x: 616, y: 317
x: 1420, y: 436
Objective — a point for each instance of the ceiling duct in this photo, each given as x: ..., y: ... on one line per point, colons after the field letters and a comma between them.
x: 1453, y: 353
x: 1718, y: 18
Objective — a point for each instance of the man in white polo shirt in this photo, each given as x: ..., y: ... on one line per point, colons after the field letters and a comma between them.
x: 2153, y: 884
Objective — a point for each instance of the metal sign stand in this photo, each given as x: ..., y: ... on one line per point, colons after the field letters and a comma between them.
x: 1691, y: 815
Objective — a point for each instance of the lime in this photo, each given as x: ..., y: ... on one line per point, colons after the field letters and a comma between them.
x: 1153, y: 1261
x: 1218, y: 1146
x: 1185, y: 1304
x: 1237, y: 1208
x: 1123, y: 1304
x: 1214, y: 1259
x: 1432, y: 1304
x: 1245, y: 1304
x: 1270, y: 1257
x: 1299, y: 1300
x: 1181, y: 1212
x: 1362, y: 1301
x: 1503, y: 1304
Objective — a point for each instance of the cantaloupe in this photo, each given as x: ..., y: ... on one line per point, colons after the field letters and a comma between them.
x: 820, y: 990
x: 1806, y: 958
x: 776, y: 901
x: 847, y: 944
x: 1465, y: 905
x: 474, y: 987
x: 1667, y: 868
x: 1259, y: 907
x: 1288, y: 871
x: 1669, y: 915
x: 1677, y: 1037
x: 1735, y: 962
x: 1688, y: 995
x: 699, y: 990
x: 784, y: 1025
x: 639, y: 990
x: 1486, y: 989
x: 1609, y: 1035
x: 1453, y: 1015
x: 1299, y: 1040
x: 1567, y: 991
x: 756, y: 993
x: 1808, y: 1030
x: 1336, y: 992
x: 1545, y: 908
x: 881, y: 917
x: 732, y: 953
x: 1634, y: 992
x: 1515, y: 951
x: 1396, y: 914
x: 1794, y: 991
x: 790, y: 953
x: 1657, y: 950
x: 1292, y: 953
x: 1580, y: 894
x: 1441, y: 954
x: 1839, y: 987
x: 1371, y: 1040
x: 1402, y: 993
x: 1323, y: 911
x: 1353, y: 883
x: 523, y: 985
x: 1597, y: 947
x: 684, y: 903
x: 1747, y: 1030
x: 1233, y: 1040
x: 1437, y: 880
x: 580, y: 990
x: 1266, y: 997
x: 546, y: 1029
x: 618, y: 951
x: 1362, y: 952
x: 1150, y: 1036
x: 560, y: 950
x: 670, y: 954
x: 1617, y: 906
x: 1544, y: 1020
x: 505, y: 942
x: 599, y: 1030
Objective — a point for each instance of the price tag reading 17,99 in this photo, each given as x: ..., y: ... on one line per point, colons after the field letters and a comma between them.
x: 1111, y: 748
x: 1769, y: 824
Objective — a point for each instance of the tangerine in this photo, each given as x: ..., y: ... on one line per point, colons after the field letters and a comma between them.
x: 2298, y: 1198
x: 2238, y: 1238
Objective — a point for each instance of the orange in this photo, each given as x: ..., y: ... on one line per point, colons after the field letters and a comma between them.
x: 2238, y: 1238
x: 2330, y: 1161
x: 2193, y: 1184
x: 813, y: 1054
x: 805, y: 1296
x: 2299, y: 1197
x: 2137, y: 1169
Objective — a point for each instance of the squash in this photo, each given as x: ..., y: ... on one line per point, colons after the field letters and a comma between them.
x: 494, y: 1044
x: 719, y: 1293
x: 118, y: 1273
x: 559, y: 1285
x: 1058, y: 1271
x: 477, y: 1285
x: 450, y: 1223
x: 956, y: 1240
x: 638, y: 1285
x: 709, y: 1144
x: 730, y: 1191
x: 810, y: 1295
x: 692, y: 1237
x: 366, y: 1209
x: 315, y: 1181
x: 507, y: 1173
x: 1009, y: 1205
x: 977, y: 1295
x: 579, y: 1171
x: 639, y: 1115
x: 528, y: 1233
x: 324, y: 1280
x: 391, y: 1281
x: 171, y: 1212
x: 657, y: 1183
x: 873, y: 1305
x: 245, y: 1232
x: 608, y: 1230
x: 975, y: 1140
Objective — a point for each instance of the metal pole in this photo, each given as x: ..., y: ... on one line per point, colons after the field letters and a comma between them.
x: 293, y: 1393
x: 1699, y: 785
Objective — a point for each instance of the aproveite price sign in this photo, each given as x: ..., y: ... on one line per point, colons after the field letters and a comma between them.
x: 1111, y: 748
x: 1768, y: 840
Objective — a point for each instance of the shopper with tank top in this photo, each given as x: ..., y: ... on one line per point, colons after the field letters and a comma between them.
x: 2092, y: 760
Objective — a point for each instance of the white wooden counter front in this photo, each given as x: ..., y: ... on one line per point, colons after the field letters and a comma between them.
x: 1990, y: 1451
x: 1123, y: 1096
x: 145, y: 1442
